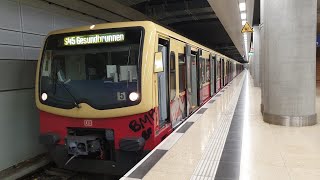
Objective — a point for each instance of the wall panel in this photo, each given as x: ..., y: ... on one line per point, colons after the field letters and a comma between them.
x: 11, y: 52
x: 10, y: 37
x: 36, y: 21
x: 61, y: 22
x: 18, y: 75
x: 10, y: 15
x: 33, y: 40
x: 31, y: 53
x: 22, y: 32
x: 19, y: 127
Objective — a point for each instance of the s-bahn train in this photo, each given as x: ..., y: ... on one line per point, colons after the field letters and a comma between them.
x: 109, y: 93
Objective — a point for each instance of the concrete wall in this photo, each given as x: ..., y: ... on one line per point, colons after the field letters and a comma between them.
x: 23, y: 27
x: 318, y: 65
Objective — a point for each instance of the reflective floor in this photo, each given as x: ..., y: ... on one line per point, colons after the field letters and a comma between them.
x: 230, y: 141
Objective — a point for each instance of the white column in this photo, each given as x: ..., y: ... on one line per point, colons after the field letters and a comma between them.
x: 251, y: 69
x: 262, y: 52
x: 256, y: 47
x: 289, y: 61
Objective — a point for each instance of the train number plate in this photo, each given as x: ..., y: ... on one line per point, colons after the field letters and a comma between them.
x: 121, y: 96
x: 87, y: 123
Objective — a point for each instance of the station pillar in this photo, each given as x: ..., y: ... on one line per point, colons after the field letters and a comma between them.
x: 288, y: 57
x: 251, y: 66
x: 256, y: 56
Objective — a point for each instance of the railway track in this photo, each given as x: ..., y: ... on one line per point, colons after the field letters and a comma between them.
x: 50, y: 172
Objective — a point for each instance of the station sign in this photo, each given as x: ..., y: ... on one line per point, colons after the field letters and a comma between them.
x: 94, y: 39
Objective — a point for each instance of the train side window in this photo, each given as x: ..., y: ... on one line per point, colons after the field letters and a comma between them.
x: 172, y: 75
x: 202, y: 71
x: 218, y: 69
x: 182, y: 73
x: 207, y: 70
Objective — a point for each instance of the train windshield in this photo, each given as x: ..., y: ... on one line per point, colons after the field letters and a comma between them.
x: 100, y: 68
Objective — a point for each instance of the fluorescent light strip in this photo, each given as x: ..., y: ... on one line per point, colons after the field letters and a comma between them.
x: 243, y: 16
x: 242, y: 6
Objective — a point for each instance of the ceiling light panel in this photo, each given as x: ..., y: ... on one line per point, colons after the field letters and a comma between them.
x: 242, y: 6
x: 243, y: 16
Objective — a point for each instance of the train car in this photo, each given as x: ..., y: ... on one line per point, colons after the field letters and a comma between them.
x: 109, y: 93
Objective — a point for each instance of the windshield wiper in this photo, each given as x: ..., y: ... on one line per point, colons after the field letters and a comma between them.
x: 56, y: 81
x: 75, y: 102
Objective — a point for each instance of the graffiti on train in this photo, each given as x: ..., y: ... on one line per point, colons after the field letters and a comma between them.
x: 178, y: 108
x: 141, y: 124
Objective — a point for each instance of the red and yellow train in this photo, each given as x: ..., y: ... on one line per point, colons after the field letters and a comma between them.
x: 109, y: 93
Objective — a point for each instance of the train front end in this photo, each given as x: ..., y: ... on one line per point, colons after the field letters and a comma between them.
x: 95, y: 96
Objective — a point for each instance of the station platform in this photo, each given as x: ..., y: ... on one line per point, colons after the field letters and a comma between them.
x: 227, y: 139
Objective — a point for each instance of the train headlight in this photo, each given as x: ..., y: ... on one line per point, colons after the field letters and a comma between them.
x: 44, y: 96
x: 134, y: 96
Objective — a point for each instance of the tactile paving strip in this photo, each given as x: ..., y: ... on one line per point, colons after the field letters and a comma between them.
x: 208, y: 165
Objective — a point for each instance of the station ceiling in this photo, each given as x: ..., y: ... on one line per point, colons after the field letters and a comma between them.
x: 194, y: 19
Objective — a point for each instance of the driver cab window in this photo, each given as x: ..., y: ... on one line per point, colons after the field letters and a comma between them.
x: 108, y: 66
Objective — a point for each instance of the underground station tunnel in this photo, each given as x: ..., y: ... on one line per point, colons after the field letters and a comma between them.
x: 159, y: 89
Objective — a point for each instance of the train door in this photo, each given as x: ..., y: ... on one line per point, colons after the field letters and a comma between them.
x: 201, y: 74
x: 218, y: 73
x: 222, y: 73
x: 212, y: 75
x: 175, y: 114
x: 163, y: 85
x: 230, y: 72
x: 192, y: 93
x: 182, y: 84
x: 227, y: 72
x: 177, y: 82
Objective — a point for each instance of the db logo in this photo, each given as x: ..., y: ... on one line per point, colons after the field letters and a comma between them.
x: 87, y: 123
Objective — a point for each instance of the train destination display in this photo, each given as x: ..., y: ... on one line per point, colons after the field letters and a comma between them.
x: 94, y: 39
